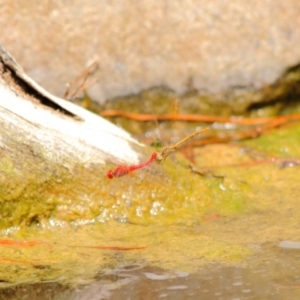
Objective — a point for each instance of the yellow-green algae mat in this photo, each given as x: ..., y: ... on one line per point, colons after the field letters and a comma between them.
x: 237, y: 195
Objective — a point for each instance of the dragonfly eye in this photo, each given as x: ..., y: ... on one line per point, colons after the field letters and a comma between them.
x: 110, y: 174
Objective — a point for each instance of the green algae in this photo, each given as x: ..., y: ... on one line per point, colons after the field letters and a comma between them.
x: 75, y: 256
x: 41, y: 196
x: 170, y: 218
x: 283, y: 142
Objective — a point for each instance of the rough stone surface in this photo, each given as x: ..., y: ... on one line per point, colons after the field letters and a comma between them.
x: 212, y: 45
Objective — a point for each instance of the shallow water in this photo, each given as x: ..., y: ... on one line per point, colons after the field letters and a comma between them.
x: 273, y: 273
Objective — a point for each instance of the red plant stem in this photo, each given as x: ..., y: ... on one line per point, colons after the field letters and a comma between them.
x: 113, y: 248
x: 198, y: 118
x: 4, y: 242
x: 123, y: 170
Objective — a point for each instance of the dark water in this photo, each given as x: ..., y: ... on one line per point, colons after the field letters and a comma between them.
x: 274, y: 273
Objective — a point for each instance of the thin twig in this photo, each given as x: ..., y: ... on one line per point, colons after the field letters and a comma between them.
x: 80, y: 83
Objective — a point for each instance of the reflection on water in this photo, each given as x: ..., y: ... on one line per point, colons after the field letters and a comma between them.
x: 39, y: 291
x: 273, y: 274
x: 268, y: 281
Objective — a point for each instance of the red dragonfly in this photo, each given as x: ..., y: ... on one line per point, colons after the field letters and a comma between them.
x: 124, y: 170
x: 155, y: 157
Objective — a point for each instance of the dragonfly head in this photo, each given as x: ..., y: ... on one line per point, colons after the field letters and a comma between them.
x: 110, y: 174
